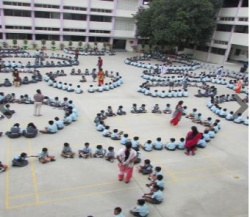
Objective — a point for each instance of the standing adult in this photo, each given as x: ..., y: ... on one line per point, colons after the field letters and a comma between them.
x: 100, y: 77
x: 185, y: 82
x: 177, y: 114
x: 76, y: 54
x: 16, y: 78
x: 192, y: 139
x: 100, y: 63
x: 238, y: 86
x: 126, y: 158
x: 38, y: 99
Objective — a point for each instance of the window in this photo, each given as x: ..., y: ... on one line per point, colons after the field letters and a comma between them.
x: 100, y: 18
x: 73, y: 38
x: 227, y: 18
x: 219, y: 51
x: 44, y: 14
x: 230, y: 3
x: 17, y: 4
x: 17, y: 13
x: 47, y: 37
x: 202, y: 48
x: 18, y: 36
x: 241, y: 29
x: 47, y: 28
x: 68, y: 16
x: 1, y: 36
x: 99, y: 31
x: 47, y: 6
x: 98, y: 39
x: 220, y: 42
x: 245, y: 3
x: 74, y: 30
x: 74, y: 8
x: 224, y: 28
x: 18, y: 27
x: 101, y: 10
x: 237, y: 52
x: 245, y: 19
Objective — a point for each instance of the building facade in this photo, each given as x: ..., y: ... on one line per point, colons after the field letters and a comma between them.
x: 88, y: 21
x: 230, y: 38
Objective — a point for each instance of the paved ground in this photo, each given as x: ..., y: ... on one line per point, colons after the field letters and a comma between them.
x: 214, y: 183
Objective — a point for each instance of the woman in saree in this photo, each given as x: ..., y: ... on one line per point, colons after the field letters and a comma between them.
x: 238, y: 86
x: 177, y: 114
x: 192, y: 139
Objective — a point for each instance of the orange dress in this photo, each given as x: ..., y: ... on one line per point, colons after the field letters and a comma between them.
x: 238, y: 86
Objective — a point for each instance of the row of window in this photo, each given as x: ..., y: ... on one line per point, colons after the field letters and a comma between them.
x: 55, y: 37
x: 245, y: 19
x: 57, y: 29
x: 214, y: 50
x: 232, y: 19
x: 219, y: 51
x: 234, y: 3
x: 56, y: 15
x: 221, y: 42
x: 228, y: 28
x: 57, y: 7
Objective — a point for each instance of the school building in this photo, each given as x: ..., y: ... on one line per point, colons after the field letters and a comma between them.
x: 230, y: 38
x: 88, y: 21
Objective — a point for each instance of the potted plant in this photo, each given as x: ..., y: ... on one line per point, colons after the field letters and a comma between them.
x: 80, y: 44
x: 53, y: 43
x: 14, y: 42
x: 62, y: 46
x: 5, y: 44
x: 70, y: 45
x: 25, y: 42
x: 43, y: 42
x: 34, y: 45
x: 87, y: 46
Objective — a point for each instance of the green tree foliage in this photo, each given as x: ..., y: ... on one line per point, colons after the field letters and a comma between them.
x: 178, y: 22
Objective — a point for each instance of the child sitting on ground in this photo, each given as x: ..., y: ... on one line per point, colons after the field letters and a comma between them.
x: 134, y: 109
x: 83, y: 79
x: 116, y: 135
x: 106, y: 132
x: 158, y: 144
x: 91, y: 89
x: 193, y: 114
x: 100, y: 127
x: 120, y: 111
x: 156, y: 109
x: 135, y: 143
x: 155, y: 196
x: 110, y: 112
x: 153, y: 176
x: 78, y: 89
x: 67, y: 151
x: 85, y: 152
x: 167, y: 109
x: 198, y: 119
x: 142, y: 109
x: 141, y: 210
x: 99, y: 152
x: 118, y: 212
x: 239, y: 119
x: 148, y: 146
x: 208, y: 122
x: 51, y: 129
x: 110, y: 154
x: 201, y: 143
x: 229, y: 116
x: 44, y: 156
x: 181, y: 144
x: 124, y: 139
x: 171, y: 146
x: 159, y: 181
x: 146, y: 169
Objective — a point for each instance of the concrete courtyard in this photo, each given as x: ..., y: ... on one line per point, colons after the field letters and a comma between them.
x: 213, y: 183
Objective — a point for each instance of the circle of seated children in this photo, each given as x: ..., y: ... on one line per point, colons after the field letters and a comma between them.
x: 212, y: 128
x: 87, y: 52
x: 71, y: 115
x: 23, y: 55
x: 171, y: 93
x: 232, y: 85
x: 187, y: 66
x: 10, y: 50
x: 213, y: 105
x: 35, y: 78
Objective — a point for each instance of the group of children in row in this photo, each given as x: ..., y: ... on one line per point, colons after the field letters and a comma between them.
x: 229, y: 116
x: 163, y: 94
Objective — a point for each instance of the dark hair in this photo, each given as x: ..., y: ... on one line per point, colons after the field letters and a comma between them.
x: 147, y: 161
x: 99, y: 146
x: 125, y: 135
x: 159, y: 177
x: 141, y: 202
x: 119, y: 209
x: 158, y: 169
x: 38, y: 91
x: 66, y: 144
x: 32, y: 125
x: 182, y: 139
x: 194, y: 131
x: 110, y: 148
x: 44, y: 149
x: 127, y: 151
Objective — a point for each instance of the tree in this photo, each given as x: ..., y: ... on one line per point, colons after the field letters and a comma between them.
x: 14, y: 42
x: 178, y: 22
x: 25, y: 42
x: 43, y: 42
x: 53, y: 43
x: 80, y: 44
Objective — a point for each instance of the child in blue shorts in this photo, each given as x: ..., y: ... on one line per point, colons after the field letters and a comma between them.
x: 85, y: 152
